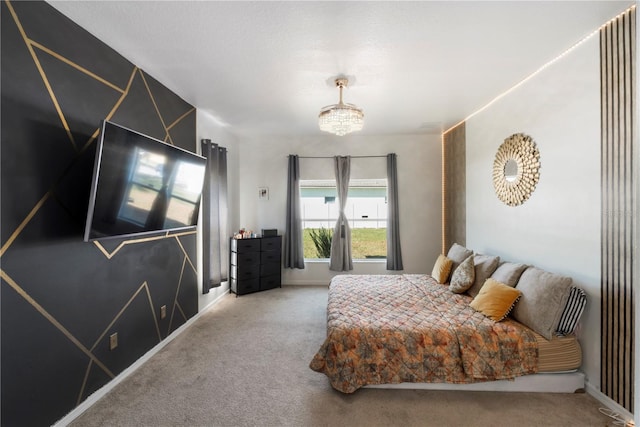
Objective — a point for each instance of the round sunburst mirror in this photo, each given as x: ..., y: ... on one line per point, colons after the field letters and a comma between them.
x: 516, y: 169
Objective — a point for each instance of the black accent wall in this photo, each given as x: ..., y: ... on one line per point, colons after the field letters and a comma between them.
x: 62, y: 298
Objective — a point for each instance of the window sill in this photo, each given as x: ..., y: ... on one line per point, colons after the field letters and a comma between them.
x: 355, y: 261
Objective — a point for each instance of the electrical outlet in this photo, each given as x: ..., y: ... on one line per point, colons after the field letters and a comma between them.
x: 163, y: 311
x: 113, y: 341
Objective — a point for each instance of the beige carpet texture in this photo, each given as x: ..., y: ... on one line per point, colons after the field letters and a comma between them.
x: 245, y: 362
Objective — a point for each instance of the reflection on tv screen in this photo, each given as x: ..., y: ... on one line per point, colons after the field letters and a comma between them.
x: 142, y: 185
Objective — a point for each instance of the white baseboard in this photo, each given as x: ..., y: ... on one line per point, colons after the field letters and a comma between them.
x: 608, y: 402
x: 100, y: 393
x: 216, y: 300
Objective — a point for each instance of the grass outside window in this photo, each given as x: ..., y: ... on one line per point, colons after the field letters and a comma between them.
x: 366, y: 243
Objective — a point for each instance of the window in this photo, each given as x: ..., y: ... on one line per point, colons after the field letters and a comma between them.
x: 145, y: 184
x: 366, y: 210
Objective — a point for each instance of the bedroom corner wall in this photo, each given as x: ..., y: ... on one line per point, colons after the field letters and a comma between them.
x: 61, y: 297
x: 264, y: 164
x: 558, y: 228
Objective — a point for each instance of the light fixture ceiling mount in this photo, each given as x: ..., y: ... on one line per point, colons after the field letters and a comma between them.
x: 341, y: 118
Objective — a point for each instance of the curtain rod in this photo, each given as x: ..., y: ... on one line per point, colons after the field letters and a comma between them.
x: 331, y: 157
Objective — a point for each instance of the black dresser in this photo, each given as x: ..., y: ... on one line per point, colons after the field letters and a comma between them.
x: 255, y: 264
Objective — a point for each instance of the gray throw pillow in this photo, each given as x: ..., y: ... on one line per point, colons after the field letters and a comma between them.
x: 544, y: 296
x: 463, y: 277
x: 509, y: 273
x: 485, y: 265
x: 458, y: 253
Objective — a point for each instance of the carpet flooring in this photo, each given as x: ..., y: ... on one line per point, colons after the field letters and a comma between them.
x: 244, y: 362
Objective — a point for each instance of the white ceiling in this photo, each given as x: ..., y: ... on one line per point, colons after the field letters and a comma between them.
x: 265, y: 67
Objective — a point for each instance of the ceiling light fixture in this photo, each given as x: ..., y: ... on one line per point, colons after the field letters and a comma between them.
x: 341, y: 118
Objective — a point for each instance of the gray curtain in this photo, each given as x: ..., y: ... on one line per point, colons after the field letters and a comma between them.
x: 215, y: 241
x: 293, y: 249
x: 394, y: 254
x: 341, y: 241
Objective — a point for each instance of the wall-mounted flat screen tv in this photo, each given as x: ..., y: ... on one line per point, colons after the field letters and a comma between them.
x: 141, y: 185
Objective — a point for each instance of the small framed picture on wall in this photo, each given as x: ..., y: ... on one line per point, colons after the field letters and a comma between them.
x: 263, y: 193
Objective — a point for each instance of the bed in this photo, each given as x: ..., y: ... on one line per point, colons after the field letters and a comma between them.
x: 410, y: 330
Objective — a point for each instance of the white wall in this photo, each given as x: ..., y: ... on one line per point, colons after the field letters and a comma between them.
x: 558, y: 228
x: 263, y: 163
x: 207, y: 127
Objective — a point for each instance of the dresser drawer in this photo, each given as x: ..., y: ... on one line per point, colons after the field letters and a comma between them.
x: 252, y: 272
x: 244, y: 260
x: 270, y: 243
x: 268, y: 257
x: 245, y: 245
x: 240, y: 287
x: 269, y: 282
x: 269, y: 268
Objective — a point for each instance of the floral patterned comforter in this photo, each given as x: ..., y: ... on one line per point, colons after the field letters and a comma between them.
x: 386, y: 329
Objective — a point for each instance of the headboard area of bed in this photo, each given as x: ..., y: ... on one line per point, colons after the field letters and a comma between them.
x: 549, y: 303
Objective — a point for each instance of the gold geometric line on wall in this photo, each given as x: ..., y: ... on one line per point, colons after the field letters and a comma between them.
x: 184, y: 316
x: 108, y: 328
x: 53, y: 321
x: 185, y: 254
x: 24, y: 223
x: 76, y: 66
x: 124, y: 92
x: 123, y: 244
x: 124, y: 95
x: 115, y: 319
x: 42, y: 74
x: 84, y: 382
x: 153, y: 312
x: 39, y: 204
x: 153, y: 100
x: 79, y: 153
x: 175, y: 298
x: 92, y: 138
x: 110, y: 255
x: 114, y: 109
x: 179, y: 119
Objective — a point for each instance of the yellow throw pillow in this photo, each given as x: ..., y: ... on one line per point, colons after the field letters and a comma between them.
x: 495, y: 300
x: 442, y: 269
